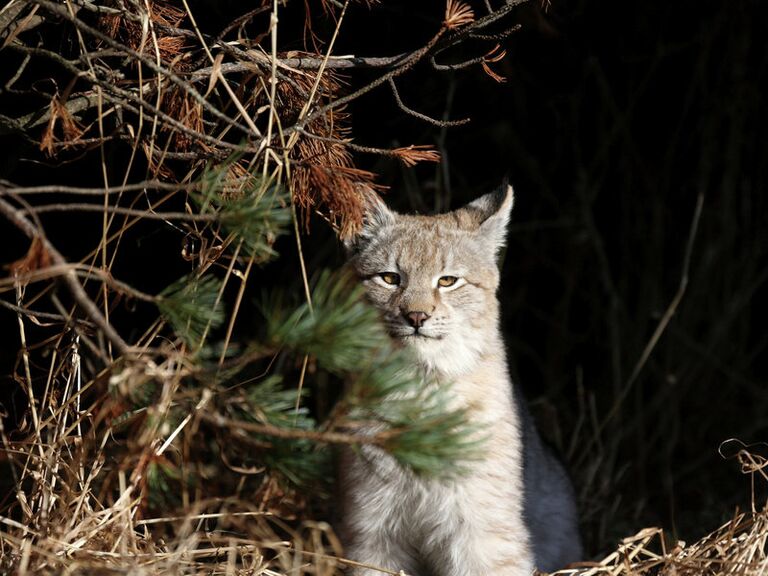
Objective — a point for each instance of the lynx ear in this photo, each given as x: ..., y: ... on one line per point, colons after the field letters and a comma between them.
x: 376, y: 216
x: 492, y: 212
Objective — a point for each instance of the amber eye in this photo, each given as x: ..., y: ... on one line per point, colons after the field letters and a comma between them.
x: 390, y: 278
x: 445, y: 281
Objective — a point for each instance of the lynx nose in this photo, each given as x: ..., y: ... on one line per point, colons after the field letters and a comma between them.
x: 416, y: 319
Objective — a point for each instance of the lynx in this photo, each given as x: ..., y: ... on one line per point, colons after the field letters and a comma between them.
x: 434, y: 280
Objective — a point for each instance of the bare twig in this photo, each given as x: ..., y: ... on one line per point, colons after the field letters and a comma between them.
x: 405, y: 154
x: 8, y: 188
x: 152, y: 65
x: 77, y: 290
x: 303, y: 63
x: 33, y: 314
x: 80, y: 269
x: 499, y: 36
x: 666, y: 317
x: 84, y: 207
x: 419, y: 115
x: 406, y: 65
x: 457, y: 65
x: 480, y: 24
x: 439, y: 42
x: 322, y: 437
x: 124, y: 98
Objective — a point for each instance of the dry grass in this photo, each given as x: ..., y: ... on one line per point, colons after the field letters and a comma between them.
x: 82, y: 503
x: 736, y: 548
x: 82, y: 498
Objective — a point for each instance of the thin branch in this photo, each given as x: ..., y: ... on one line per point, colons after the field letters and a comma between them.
x: 419, y: 115
x: 151, y: 64
x: 240, y: 21
x: 74, y: 104
x: 673, y: 305
x: 34, y: 314
x: 121, y: 97
x: 22, y: 67
x: 80, y: 269
x: 7, y: 187
x: 292, y: 433
x: 407, y: 64
x: 457, y: 65
x: 439, y: 42
x: 77, y: 290
x: 472, y: 29
x: 499, y: 36
x: 666, y: 317
x: 304, y: 63
x: 100, y: 208
x: 391, y: 152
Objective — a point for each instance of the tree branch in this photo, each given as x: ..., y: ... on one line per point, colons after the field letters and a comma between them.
x: 70, y: 278
x: 100, y: 208
x: 7, y: 187
x: 419, y: 115
x: 34, y: 314
x: 148, y: 62
x: 122, y: 97
x: 303, y: 63
x: 292, y: 433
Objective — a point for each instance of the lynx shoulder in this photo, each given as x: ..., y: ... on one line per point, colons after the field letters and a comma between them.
x: 434, y: 280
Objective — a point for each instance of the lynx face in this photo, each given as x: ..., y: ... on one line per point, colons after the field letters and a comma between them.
x: 434, y: 278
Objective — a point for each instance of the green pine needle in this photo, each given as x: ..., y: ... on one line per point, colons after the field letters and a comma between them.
x: 344, y: 334
x: 249, y: 207
x: 270, y: 403
x: 300, y: 461
x: 436, y: 441
x: 342, y: 331
x: 190, y: 306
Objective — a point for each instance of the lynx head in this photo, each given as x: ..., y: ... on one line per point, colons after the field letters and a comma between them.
x: 434, y: 278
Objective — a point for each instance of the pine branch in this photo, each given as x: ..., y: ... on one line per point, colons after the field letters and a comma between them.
x: 387, y: 400
x: 73, y: 283
x: 191, y: 306
x: 247, y: 206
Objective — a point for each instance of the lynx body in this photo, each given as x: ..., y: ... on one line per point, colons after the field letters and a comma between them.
x: 434, y: 280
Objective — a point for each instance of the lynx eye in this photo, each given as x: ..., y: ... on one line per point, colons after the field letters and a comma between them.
x: 390, y: 278
x: 445, y: 281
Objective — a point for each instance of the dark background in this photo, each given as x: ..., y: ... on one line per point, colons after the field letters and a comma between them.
x: 614, y: 118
